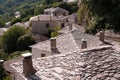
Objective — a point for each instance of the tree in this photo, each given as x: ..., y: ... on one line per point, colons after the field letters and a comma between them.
x: 101, y: 14
x: 24, y: 42
x: 10, y: 38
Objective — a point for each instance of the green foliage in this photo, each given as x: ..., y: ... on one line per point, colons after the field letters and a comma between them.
x: 51, y: 1
x: 54, y: 32
x: 24, y: 42
x: 31, y: 8
x: 3, y: 55
x: 15, y: 54
x: 10, y: 38
x: 71, y: 7
x: 2, y: 72
x: 48, y: 34
x: 9, y: 7
x: 7, y: 78
x: 106, y: 14
x: 40, y: 9
x: 15, y: 20
x: 2, y: 23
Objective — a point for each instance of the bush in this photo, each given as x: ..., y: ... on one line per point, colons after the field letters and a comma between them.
x: 24, y: 42
x: 15, y: 54
x: 2, y: 72
x: 16, y: 20
x: 10, y: 38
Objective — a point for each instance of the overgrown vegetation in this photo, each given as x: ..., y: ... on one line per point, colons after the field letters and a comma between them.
x: 3, y: 73
x: 16, y: 39
x: 52, y: 32
x: 2, y: 22
x: 31, y: 8
x: 100, y: 14
x: 13, y: 43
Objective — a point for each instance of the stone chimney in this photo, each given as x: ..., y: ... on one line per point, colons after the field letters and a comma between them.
x: 53, y: 44
x: 27, y: 65
x: 70, y: 26
x: 84, y: 44
x: 102, y: 36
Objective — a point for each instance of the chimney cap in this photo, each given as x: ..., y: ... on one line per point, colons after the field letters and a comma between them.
x: 52, y: 38
x: 84, y: 40
x: 1, y: 61
x: 26, y: 55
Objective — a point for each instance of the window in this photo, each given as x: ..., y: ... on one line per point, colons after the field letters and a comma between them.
x: 62, y: 25
x: 43, y: 55
x: 47, y: 25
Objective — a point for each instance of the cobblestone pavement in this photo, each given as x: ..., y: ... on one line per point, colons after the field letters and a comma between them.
x: 94, y: 64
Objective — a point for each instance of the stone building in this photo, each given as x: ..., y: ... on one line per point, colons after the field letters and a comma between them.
x: 56, y: 11
x: 89, y: 64
x: 65, y: 43
x: 41, y: 23
x: 17, y: 14
x: 77, y: 56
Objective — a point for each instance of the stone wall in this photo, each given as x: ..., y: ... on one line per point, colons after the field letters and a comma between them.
x: 39, y: 27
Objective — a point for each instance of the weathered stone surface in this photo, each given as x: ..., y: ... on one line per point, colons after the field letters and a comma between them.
x: 96, y: 64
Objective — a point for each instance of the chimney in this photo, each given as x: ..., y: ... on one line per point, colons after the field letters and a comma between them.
x: 38, y: 18
x: 70, y: 26
x: 27, y: 65
x: 101, y: 36
x: 53, y: 44
x: 1, y: 61
x: 84, y: 44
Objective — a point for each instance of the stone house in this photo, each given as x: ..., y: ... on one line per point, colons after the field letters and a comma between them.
x: 65, y: 43
x: 51, y: 18
x: 77, y: 56
x: 56, y: 11
x: 41, y: 23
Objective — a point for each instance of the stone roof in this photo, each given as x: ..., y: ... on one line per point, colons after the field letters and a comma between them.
x: 69, y: 0
x: 92, y: 41
x: 49, y: 9
x: 65, y: 43
x: 66, y: 29
x: 23, y: 24
x: 100, y: 63
x: 111, y: 33
x: 73, y: 17
x: 58, y: 9
x: 74, y: 27
x: 69, y: 42
x: 43, y: 18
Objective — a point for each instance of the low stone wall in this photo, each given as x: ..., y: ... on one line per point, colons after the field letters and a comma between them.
x: 112, y: 38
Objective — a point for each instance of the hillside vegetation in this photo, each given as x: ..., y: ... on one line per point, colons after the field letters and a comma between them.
x: 30, y: 8
x: 9, y: 7
x: 100, y: 14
